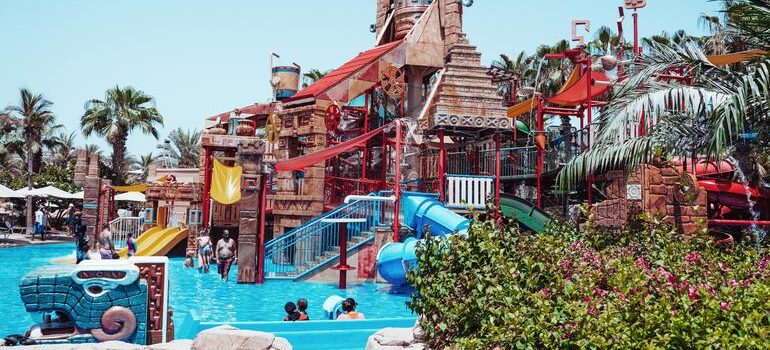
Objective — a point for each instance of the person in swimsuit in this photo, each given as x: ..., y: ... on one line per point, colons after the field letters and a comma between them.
x: 349, y: 307
x: 291, y: 312
x: 130, y: 244
x: 302, y: 308
x: 225, y: 253
x: 204, y: 251
x: 105, y: 242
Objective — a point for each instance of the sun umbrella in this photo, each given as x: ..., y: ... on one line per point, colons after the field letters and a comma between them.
x: 48, y: 191
x: 131, y: 197
x: 6, y: 192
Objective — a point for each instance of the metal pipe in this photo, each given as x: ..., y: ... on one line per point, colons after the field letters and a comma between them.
x: 442, y: 158
x: 397, y: 183
x: 589, y: 109
x: 539, y: 159
x: 497, y: 172
x: 360, y: 198
x: 726, y: 222
x: 636, y: 33
x: 207, y: 154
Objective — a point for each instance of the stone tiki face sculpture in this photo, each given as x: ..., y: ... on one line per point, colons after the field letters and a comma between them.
x: 94, y: 301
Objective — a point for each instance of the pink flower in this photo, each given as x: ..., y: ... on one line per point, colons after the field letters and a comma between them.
x: 746, y: 282
x: 693, y: 293
x: 723, y: 267
x: 544, y: 292
x: 725, y: 305
x: 591, y: 310
x: 600, y: 292
x: 692, y: 258
x: 642, y: 263
x: 673, y: 312
x: 763, y: 263
x: 733, y: 283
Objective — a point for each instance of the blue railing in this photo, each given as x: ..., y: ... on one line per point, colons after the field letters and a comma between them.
x: 317, y: 242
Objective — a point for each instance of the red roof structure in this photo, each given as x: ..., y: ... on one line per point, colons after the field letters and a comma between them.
x: 577, y: 92
x: 344, y: 71
x: 256, y: 109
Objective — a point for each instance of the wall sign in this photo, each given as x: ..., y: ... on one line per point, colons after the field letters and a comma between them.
x: 634, y: 192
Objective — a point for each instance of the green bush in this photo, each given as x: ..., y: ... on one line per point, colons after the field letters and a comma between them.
x: 644, y: 288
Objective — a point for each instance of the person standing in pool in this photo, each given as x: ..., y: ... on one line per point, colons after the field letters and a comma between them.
x: 204, y: 251
x: 302, y: 308
x: 224, y: 254
x: 349, y: 309
x: 81, y: 249
x: 130, y: 244
x: 107, y: 249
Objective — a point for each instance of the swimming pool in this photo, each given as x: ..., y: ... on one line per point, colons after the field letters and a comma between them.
x: 213, y: 300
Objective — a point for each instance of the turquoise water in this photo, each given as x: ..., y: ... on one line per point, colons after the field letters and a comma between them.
x: 16, y: 262
x: 213, y: 299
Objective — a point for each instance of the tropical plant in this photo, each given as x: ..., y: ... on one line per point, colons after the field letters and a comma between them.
x: 647, y: 287
x: 314, y: 75
x: 701, y: 117
x: 62, y: 149
x: 120, y: 112
x: 520, y: 69
x: 750, y: 18
x: 143, y: 164
x: 34, y: 116
x: 183, y: 147
x: 550, y: 75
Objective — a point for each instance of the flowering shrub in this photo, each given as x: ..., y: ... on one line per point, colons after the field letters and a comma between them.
x: 647, y: 287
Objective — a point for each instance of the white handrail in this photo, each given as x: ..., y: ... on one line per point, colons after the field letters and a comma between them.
x: 355, y: 197
x: 121, y: 227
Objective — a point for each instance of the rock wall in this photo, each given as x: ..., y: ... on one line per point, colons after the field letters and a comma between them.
x: 664, y: 192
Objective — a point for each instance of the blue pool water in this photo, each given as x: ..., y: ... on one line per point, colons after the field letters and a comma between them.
x: 213, y: 299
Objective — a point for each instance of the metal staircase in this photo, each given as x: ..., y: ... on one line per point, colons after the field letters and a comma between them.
x: 315, y: 244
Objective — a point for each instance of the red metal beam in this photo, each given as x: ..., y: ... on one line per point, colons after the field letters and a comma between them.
x: 726, y: 222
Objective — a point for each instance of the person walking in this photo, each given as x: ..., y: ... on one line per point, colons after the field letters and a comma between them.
x: 71, y: 212
x: 225, y: 253
x: 107, y: 249
x: 39, y: 228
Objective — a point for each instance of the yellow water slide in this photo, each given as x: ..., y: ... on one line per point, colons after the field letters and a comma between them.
x: 157, y: 241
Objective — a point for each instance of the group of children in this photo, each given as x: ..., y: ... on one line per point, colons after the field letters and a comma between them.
x: 298, y: 312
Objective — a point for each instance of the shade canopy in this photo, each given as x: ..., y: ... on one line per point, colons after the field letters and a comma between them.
x: 131, y: 197
x: 6, y: 192
x: 78, y: 195
x: 48, y: 191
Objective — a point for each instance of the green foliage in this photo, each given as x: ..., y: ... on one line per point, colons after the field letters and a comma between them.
x: 62, y: 178
x: 646, y: 287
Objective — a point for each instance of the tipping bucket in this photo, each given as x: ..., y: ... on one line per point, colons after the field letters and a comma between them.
x: 288, y: 81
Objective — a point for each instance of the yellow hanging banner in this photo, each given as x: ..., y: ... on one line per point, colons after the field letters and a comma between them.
x: 226, y: 183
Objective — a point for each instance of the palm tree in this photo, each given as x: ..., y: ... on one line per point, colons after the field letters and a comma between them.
x: 34, y: 115
x: 183, y: 147
x: 552, y: 74
x: 121, y: 111
x: 63, y: 150
x: 520, y: 69
x: 699, y: 119
x: 314, y: 75
x: 143, y: 164
x: 750, y: 19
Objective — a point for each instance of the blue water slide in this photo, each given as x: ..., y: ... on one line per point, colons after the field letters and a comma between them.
x: 417, y: 210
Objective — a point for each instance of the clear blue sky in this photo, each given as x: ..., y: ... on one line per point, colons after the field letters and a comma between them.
x: 199, y: 58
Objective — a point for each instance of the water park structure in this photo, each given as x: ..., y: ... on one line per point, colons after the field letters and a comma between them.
x: 339, y: 180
